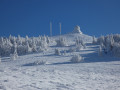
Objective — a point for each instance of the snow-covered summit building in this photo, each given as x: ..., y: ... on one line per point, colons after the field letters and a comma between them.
x: 77, y: 29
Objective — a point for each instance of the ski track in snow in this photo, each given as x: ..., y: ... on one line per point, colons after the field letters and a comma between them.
x: 95, y: 73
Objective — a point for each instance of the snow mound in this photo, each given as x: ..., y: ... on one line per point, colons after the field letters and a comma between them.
x: 41, y: 62
x: 73, y: 36
x: 76, y: 59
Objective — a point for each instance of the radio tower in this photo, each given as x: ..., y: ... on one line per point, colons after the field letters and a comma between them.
x: 51, y: 29
x: 60, y: 28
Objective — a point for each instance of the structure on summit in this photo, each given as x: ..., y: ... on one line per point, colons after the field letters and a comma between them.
x: 77, y: 29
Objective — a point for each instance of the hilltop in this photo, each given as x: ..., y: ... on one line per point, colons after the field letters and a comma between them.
x: 66, y: 62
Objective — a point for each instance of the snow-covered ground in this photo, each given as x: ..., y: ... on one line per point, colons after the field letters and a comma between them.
x: 94, y: 73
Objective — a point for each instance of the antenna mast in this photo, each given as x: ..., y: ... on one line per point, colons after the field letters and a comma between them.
x: 60, y: 28
x: 51, y: 29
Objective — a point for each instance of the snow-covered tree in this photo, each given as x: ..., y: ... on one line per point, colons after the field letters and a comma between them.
x: 34, y: 48
x: 0, y: 59
x: 100, y: 51
x: 80, y: 44
x: 44, y: 44
x: 72, y: 49
x: 110, y: 44
x: 61, y: 42
x: 76, y: 59
x: 14, y: 56
x: 57, y: 52
x: 94, y: 40
x: 116, y: 49
x: 29, y: 50
x: 21, y: 49
x: 64, y: 52
x: 19, y: 40
x: 101, y: 40
x: 26, y: 38
x: 2, y: 41
x: 23, y: 45
x: 48, y: 40
x: 79, y: 47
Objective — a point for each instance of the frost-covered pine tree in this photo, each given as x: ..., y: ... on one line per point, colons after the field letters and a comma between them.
x: 15, y: 45
x: 108, y: 42
x: 100, y: 51
x: 80, y: 44
x: 48, y: 40
x: 19, y: 40
x: 57, y: 52
x: 44, y: 44
x: 14, y: 56
x: 0, y: 59
x: 64, y: 52
x: 15, y: 53
x: 2, y: 41
x: 79, y: 41
x: 19, y: 37
x: 116, y: 49
x: 101, y: 40
x: 29, y: 50
x: 26, y: 38
x: 94, y: 40
x: 14, y: 39
x: 112, y: 43
x: 61, y: 42
x: 79, y: 48
x: 34, y: 48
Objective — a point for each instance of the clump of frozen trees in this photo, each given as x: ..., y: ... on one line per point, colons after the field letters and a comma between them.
x: 57, y: 52
x: 94, y: 40
x: 13, y: 46
x: 77, y: 59
x: 61, y: 42
x: 110, y: 44
x: 79, y: 45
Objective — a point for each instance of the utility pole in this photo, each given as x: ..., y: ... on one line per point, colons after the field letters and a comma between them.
x: 51, y: 29
x: 60, y: 28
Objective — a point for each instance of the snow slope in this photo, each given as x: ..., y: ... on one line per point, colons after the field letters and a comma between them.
x: 94, y: 73
x: 73, y: 36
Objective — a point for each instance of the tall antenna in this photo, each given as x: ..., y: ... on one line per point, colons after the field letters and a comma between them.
x: 51, y: 29
x: 60, y: 28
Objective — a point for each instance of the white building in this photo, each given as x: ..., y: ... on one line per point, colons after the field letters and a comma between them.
x: 77, y: 29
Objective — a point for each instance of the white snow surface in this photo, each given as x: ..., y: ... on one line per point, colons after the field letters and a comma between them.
x: 73, y: 36
x: 58, y: 73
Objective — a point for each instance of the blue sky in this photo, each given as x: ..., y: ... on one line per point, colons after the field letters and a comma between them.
x: 32, y: 17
